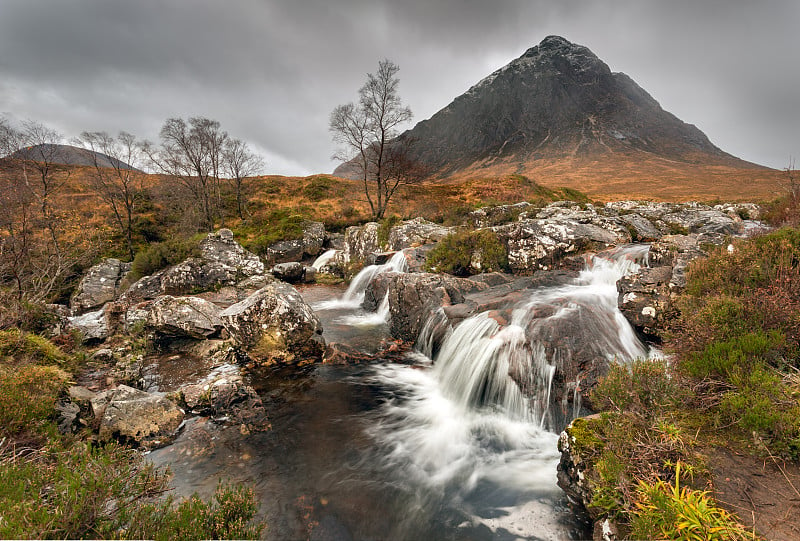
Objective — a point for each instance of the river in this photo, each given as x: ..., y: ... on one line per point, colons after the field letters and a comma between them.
x: 444, y: 448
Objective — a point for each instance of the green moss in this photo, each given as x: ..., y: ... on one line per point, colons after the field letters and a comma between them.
x: 584, y: 436
x: 468, y: 252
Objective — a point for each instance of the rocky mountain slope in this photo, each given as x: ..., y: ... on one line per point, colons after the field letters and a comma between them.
x: 558, y: 103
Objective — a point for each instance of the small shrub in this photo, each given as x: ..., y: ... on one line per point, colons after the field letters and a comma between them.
x: 644, y: 388
x: 160, y: 255
x: 468, y: 252
x: 724, y: 358
x: 763, y: 404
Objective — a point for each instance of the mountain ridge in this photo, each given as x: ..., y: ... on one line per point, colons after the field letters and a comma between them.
x: 556, y: 102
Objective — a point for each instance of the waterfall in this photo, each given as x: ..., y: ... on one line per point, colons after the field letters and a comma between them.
x: 323, y: 259
x: 476, y: 428
x: 354, y: 295
x: 493, y: 360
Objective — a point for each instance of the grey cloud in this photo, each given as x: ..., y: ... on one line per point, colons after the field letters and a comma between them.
x: 271, y: 71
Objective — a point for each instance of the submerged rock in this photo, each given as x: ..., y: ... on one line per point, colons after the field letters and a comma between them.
x: 224, y: 395
x: 288, y: 272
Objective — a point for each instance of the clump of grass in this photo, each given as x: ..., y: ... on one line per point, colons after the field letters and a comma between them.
x: 21, y: 348
x: 671, y: 511
x: 468, y: 252
x: 270, y: 228
x: 385, y: 227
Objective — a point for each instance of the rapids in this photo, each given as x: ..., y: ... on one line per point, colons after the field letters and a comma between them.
x: 442, y: 446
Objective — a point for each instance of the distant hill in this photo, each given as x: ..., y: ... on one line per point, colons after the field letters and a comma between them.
x: 558, y: 109
x: 68, y: 155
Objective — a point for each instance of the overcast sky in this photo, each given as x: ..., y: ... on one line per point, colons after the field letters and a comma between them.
x: 271, y: 71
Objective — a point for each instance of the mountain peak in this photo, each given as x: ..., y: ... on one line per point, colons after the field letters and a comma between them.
x: 557, y: 101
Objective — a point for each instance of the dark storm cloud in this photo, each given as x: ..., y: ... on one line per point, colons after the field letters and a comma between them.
x: 271, y: 71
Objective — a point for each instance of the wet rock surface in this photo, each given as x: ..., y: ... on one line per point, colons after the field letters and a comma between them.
x: 275, y: 325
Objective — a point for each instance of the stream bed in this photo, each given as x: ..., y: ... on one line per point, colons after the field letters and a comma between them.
x: 378, y: 451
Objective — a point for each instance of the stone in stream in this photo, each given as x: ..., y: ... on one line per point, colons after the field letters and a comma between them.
x: 190, y: 317
x: 129, y: 414
x: 275, y: 326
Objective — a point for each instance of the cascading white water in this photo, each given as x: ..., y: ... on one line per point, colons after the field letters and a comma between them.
x: 466, y: 426
x: 323, y: 259
x: 354, y: 295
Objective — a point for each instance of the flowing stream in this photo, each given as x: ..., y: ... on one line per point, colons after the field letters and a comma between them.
x: 444, y: 446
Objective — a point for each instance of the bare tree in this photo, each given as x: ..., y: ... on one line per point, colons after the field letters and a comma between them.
x: 116, y: 178
x: 191, y: 153
x: 367, y: 130
x: 40, y: 245
x: 241, y: 163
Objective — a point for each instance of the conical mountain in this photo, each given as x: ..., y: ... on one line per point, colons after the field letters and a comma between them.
x: 557, y: 103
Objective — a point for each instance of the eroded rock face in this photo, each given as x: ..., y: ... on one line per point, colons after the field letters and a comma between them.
x: 223, y: 262
x: 416, y: 232
x: 130, y: 414
x: 646, y: 299
x: 189, y: 317
x: 574, y: 478
x: 360, y: 241
x: 313, y: 238
x: 413, y: 297
x: 542, y: 243
x: 99, y: 286
x: 94, y: 326
x: 285, y: 251
x: 275, y: 325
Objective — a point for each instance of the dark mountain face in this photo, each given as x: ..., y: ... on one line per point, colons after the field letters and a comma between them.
x: 68, y: 155
x: 556, y: 100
